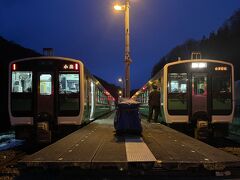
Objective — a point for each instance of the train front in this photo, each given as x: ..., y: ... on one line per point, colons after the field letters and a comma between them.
x: 45, y: 93
x: 200, y: 91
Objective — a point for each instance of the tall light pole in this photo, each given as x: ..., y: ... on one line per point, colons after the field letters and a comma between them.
x: 127, y: 58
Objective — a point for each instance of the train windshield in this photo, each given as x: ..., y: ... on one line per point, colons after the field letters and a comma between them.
x: 45, y: 85
x: 22, y: 95
x: 22, y: 81
x: 200, y: 86
x: 221, y: 93
x: 177, y: 91
x: 69, y: 94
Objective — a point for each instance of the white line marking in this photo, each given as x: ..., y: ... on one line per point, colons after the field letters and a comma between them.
x: 137, y: 150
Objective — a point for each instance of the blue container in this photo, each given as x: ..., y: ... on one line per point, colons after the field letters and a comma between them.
x: 127, y: 119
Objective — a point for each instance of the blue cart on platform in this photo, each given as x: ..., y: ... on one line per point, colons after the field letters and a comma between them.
x: 127, y: 118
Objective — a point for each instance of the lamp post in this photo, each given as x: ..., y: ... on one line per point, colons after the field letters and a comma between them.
x: 127, y: 58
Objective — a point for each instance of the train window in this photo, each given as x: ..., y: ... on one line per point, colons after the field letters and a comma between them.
x: 177, y: 91
x: 21, y: 93
x: 101, y: 97
x: 146, y: 97
x: 68, y: 83
x: 45, y: 84
x: 199, y: 85
x: 98, y: 96
x: 221, y: 93
x: 69, y: 94
x: 21, y: 81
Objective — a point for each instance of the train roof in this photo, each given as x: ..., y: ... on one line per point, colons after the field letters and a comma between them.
x: 46, y: 57
x: 197, y: 60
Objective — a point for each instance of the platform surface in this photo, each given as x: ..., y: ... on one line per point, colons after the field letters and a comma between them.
x: 173, y: 149
x: 159, y: 147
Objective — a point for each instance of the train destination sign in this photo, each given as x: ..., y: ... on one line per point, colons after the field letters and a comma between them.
x: 221, y: 68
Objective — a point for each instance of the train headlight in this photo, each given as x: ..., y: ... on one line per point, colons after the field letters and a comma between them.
x: 199, y: 65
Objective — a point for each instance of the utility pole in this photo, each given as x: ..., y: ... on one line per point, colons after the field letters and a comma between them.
x: 127, y: 59
x: 127, y: 50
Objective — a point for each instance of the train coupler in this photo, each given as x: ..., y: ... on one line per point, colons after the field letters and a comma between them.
x: 202, y: 130
x: 43, y: 132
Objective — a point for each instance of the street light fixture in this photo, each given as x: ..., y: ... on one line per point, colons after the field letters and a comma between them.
x: 119, y: 7
x: 121, y: 81
x: 127, y: 58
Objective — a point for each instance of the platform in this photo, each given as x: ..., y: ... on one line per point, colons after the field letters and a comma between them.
x: 96, y: 146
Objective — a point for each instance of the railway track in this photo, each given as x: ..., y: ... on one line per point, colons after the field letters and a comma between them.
x: 231, y: 144
x: 8, y: 163
x: 9, y: 168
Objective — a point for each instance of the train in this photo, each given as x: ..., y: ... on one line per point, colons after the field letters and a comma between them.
x: 196, y: 95
x: 50, y: 95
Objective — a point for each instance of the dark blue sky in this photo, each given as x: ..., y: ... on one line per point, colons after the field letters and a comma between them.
x: 90, y: 30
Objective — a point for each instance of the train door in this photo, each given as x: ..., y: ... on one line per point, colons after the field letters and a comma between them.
x: 199, y: 92
x: 45, y: 105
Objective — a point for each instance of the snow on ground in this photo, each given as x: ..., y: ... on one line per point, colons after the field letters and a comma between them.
x: 8, y: 141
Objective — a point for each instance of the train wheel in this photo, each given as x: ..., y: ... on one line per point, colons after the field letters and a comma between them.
x: 44, y: 134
